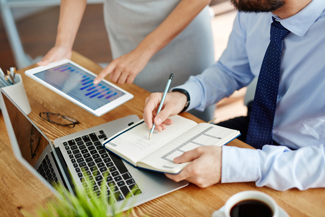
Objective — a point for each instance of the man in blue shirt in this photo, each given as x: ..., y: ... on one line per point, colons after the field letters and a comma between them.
x: 299, y: 119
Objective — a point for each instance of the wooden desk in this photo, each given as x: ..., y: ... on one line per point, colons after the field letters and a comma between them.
x: 21, y: 190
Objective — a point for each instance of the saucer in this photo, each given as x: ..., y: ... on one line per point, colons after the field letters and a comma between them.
x: 282, y: 213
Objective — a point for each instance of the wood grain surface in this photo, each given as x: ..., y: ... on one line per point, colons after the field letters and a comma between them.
x: 20, y: 190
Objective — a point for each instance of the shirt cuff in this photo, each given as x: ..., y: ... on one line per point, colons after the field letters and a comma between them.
x: 239, y: 164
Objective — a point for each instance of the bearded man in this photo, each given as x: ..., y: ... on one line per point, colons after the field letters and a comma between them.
x: 282, y: 42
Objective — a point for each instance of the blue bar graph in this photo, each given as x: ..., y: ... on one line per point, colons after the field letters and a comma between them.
x: 87, y: 86
x: 88, y: 82
x: 111, y: 95
x: 108, y: 93
x: 65, y: 69
x: 92, y: 96
x: 87, y: 94
x: 98, y: 91
x: 89, y: 89
x: 85, y: 79
x: 60, y: 67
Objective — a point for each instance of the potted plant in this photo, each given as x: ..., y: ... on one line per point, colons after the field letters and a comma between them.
x: 82, y: 204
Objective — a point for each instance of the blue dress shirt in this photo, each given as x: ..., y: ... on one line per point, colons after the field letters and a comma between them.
x: 299, y: 121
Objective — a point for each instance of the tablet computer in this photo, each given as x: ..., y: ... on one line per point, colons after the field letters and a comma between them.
x: 75, y: 83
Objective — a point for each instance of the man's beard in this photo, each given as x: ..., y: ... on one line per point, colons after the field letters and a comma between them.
x: 257, y: 5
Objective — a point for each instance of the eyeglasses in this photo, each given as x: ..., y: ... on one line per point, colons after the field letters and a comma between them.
x: 59, y: 119
x: 34, y: 140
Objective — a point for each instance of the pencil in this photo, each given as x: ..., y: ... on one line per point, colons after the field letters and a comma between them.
x: 3, y: 82
x: 14, y: 72
x: 10, y: 83
x: 2, y: 72
x: 9, y: 74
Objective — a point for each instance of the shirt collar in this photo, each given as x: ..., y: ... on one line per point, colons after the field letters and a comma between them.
x: 300, y: 23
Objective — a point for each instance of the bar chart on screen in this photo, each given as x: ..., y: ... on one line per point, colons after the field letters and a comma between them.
x: 79, y: 85
x: 100, y: 90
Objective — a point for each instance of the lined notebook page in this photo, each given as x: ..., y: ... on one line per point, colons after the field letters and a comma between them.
x: 135, y: 144
x: 200, y: 135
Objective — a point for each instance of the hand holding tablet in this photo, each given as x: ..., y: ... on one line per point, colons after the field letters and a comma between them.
x: 75, y: 83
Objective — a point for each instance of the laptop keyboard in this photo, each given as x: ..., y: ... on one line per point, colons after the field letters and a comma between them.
x: 47, y: 171
x: 86, y: 153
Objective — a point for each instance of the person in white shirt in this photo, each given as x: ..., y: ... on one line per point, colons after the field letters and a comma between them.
x: 149, y: 40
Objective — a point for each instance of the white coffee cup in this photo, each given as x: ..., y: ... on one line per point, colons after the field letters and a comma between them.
x: 18, y: 94
x: 243, y: 196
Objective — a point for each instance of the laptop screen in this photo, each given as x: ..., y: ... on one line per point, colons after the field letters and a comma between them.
x: 28, y: 139
x: 31, y: 142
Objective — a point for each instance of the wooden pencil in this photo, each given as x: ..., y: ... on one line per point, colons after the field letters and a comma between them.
x: 12, y: 79
x: 8, y: 81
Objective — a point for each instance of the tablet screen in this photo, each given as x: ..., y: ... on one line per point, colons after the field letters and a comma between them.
x: 79, y: 85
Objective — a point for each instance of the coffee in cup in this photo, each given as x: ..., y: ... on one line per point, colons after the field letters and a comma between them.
x: 251, y: 208
x: 249, y: 203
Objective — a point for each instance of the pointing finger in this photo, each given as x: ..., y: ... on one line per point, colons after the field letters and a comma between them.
x: 107, y: 70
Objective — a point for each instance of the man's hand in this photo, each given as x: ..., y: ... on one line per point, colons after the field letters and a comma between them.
x: 204, y: 169
x: 173, y: 104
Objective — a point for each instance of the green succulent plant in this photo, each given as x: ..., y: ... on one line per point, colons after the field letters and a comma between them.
x: 82, y: 204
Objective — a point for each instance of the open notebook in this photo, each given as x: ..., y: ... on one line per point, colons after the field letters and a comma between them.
x: 158, y: 153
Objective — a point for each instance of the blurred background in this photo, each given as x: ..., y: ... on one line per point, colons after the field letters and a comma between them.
x: 28, y: 30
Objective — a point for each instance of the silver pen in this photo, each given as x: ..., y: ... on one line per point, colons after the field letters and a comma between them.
x: 162, y: 101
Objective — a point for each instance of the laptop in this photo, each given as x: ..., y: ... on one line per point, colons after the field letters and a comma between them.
x: 82, y: 151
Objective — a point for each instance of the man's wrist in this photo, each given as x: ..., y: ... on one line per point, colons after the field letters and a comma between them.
x: 188, y: 99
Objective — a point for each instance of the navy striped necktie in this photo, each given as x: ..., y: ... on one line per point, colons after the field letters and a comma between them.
x: 265, y: 100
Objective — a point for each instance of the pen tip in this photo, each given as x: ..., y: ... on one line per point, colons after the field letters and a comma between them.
x: 149, y: 136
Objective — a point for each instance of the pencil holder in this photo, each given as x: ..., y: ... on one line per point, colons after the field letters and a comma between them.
x: 18, y: 94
